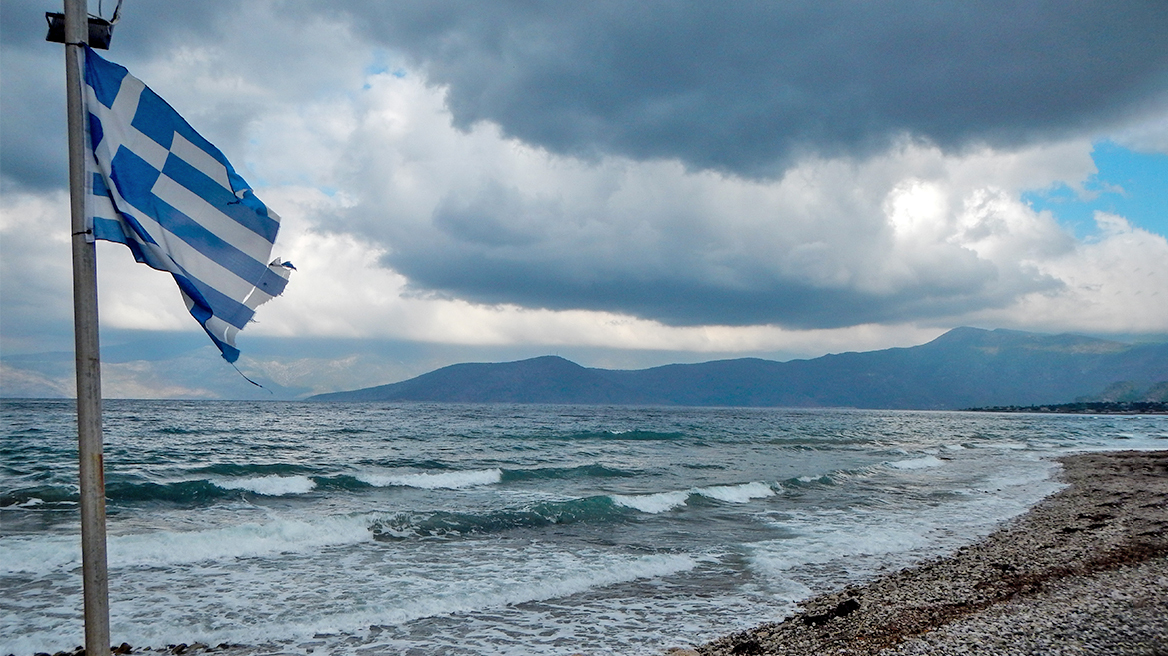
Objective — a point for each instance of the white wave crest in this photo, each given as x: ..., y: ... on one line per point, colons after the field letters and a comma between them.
x: 664, y: 501
x: 651, y: 503
x: 737, y: 493
x: 917, y: 463
x: 270, y: 486
x: 445, y: 481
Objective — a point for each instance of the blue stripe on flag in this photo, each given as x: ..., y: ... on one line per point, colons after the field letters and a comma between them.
x: 206, y: 242
x: 249, y: 199
x: 105, y: 78
x: 155, y: 118
x: 201, y: 311
x: 99, y: 188
x: 114, y: 230
x: 95, y: 131
x: 203, y: 295
x: 272, y: 283
x: 134, y: 178
x: 158, y: 120
x: 224, y: 307
x: 231, y: 310
x: 123, y: 228
x: 214, y: 193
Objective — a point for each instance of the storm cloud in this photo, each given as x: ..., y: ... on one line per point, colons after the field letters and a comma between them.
x: 749, y: 87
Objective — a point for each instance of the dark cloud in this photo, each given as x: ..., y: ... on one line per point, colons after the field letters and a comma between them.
x: 749, y: 89
x: 686, y: 297
x: 745, y: 87
x: 32, y: 75
x: 486, y: 217
x: 688, y: 302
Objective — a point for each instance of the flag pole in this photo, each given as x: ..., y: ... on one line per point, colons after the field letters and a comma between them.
x: 89, y: 438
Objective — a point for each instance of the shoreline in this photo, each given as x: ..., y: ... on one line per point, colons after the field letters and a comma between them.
x: 1083, y: 572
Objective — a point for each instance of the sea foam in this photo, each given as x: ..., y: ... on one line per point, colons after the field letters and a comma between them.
x: 160, y: 548
x: 651, y: 503
x: 737, y: 493
x: 917, y: 463
x: 456, y: 480
x: 271, y: 486
x: 665, y: 501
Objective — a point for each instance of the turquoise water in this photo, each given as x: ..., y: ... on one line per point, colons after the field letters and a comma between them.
x: 497, y: 529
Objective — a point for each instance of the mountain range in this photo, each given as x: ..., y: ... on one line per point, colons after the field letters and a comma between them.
x: 965, y: 367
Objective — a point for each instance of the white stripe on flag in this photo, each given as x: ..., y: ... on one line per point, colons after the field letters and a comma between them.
x: 258, y: 296
x: 123, y: 133
x: 201, y: 160
x: 206, y: 215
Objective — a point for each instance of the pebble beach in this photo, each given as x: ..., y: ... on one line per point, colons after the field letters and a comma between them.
x: 1084, y: 572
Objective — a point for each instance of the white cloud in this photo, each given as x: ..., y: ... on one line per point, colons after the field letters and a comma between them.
x: 35, y: 268
x: 1116, y: 283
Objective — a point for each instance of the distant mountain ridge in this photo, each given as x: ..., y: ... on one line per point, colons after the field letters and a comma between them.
x: 965, y: 367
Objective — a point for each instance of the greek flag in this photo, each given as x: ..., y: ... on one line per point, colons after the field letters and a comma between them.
x: 155, y: 185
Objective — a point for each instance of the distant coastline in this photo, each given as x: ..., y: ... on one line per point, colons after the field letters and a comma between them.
x: 1086, y: 408
x: 995, y: 370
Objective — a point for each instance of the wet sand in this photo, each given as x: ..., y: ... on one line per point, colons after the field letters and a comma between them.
x: 1084, y: 572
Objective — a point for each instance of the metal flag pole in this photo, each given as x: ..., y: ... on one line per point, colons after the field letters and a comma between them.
x: 89, y: 438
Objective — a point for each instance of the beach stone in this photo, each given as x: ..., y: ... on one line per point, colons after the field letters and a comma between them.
x: 747, y: 647
x: 1030, y: 588
x: 1122, y: 612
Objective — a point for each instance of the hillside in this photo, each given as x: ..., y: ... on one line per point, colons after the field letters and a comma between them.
x: 965, y: 367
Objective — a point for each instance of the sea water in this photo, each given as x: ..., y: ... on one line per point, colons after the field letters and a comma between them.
x: 497, y: 529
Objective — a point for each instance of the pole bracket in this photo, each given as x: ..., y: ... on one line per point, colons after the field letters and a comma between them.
x: 100, y: 30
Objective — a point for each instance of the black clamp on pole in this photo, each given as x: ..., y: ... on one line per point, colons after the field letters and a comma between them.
x: 100, y: 30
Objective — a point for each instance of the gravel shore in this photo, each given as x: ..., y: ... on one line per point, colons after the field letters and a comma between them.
x: 1084, y: 572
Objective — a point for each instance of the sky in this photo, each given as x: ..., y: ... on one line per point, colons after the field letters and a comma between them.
x: 623, y: 184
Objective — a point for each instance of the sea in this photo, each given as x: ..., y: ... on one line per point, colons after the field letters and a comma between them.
x: 413, y: 528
